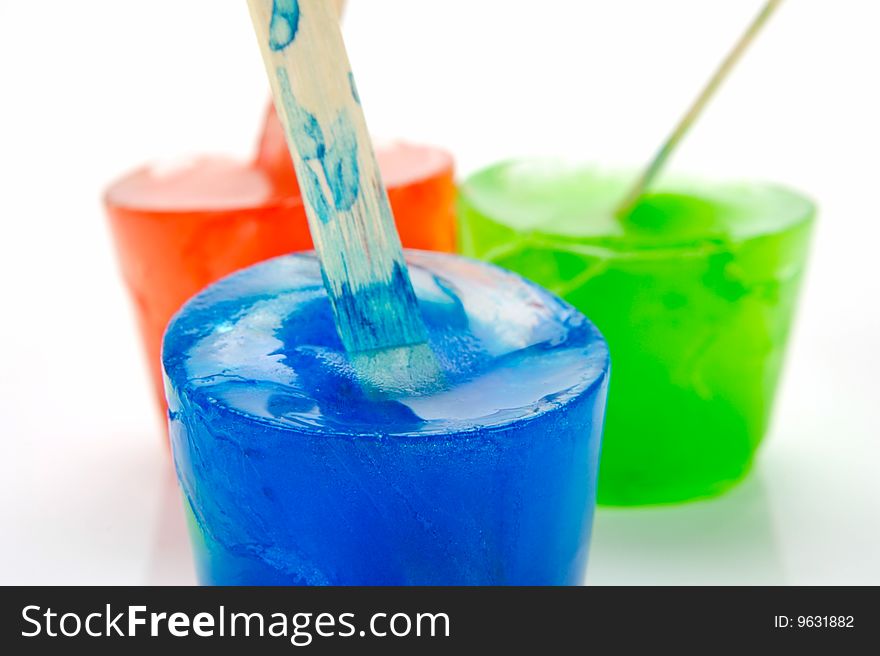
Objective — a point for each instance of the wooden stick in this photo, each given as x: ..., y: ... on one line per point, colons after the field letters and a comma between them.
x: 684, y: 125
x: 347, y: 207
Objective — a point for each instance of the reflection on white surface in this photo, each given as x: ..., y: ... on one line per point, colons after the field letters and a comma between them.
x: 170, y: 560
x: 726, y: 541
x: 82, y: 511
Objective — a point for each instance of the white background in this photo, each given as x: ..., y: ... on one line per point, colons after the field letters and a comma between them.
x: 92, y: 88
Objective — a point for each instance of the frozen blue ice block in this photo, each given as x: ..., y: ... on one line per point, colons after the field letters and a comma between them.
x: 293, y: 474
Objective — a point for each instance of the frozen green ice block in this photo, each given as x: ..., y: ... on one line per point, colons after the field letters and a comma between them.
x: 694, y: 291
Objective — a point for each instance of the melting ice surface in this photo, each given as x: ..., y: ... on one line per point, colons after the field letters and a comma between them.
x: 263, y: 343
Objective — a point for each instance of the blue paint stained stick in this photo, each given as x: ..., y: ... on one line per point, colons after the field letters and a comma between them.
x: 284, y: 24
x: 349, y: 215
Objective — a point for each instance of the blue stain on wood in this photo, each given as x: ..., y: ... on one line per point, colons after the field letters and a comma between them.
x: 377, y: 314
x: 335, y: 155
x: 354, y: 89
x: 311, y: 187
x: 285, y: 23
x: 375, y: 306
x: 306, y: 131
x: 340, y: 162
x: 364, y: 312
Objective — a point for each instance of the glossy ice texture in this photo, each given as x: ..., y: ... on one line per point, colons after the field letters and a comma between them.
x: 292, y: 474
x: 694, y: 292
x: 178, y: 229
